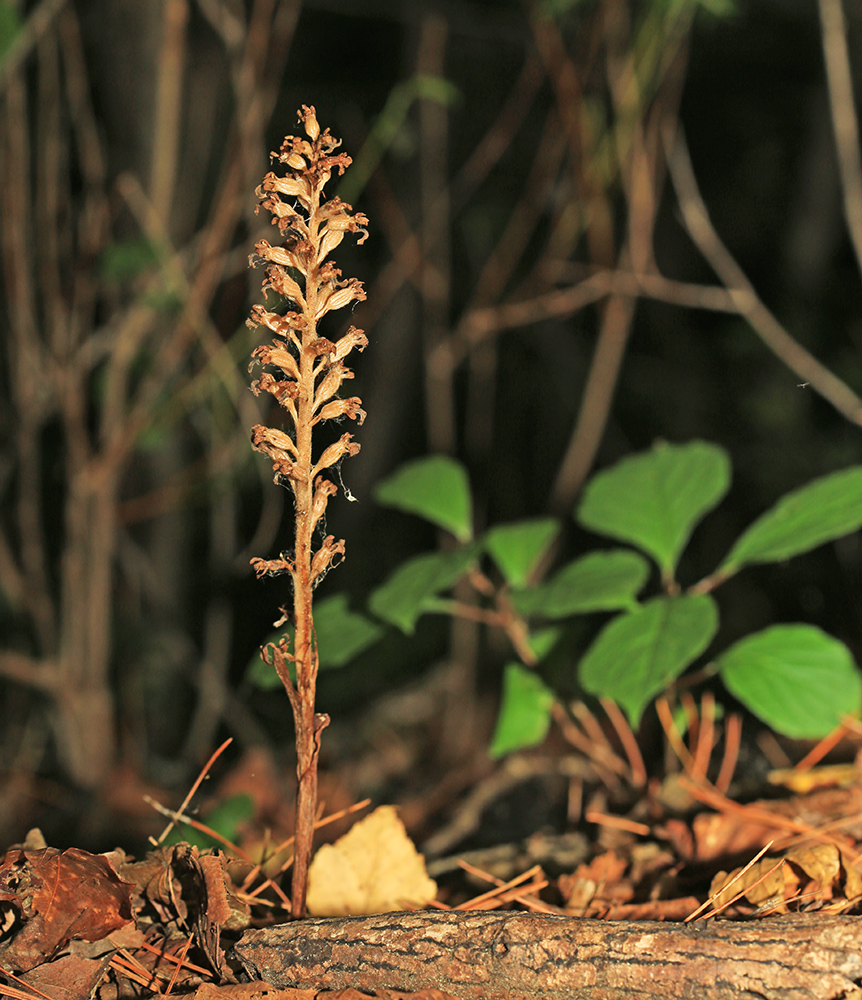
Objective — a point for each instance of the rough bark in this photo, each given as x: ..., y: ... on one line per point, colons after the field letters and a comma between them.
x: 535, y: 956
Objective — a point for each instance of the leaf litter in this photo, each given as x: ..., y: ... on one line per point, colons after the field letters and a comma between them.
x: 79, y: 926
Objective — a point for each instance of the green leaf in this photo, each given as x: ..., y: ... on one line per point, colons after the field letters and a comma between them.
x: 435, y: 488
x: 525, y: 711
x: 796, y: 678
x: 825, y: 509
x: 226, y: 818
x: 341, y: 633
x: 640, y: 652
x: 542, y: 640
x: 655, y: 499
x: 518, y: 548
x: 599, y: 581
x: 411, y: 588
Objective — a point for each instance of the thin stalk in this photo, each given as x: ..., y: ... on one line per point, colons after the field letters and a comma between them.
x: 305, y: 372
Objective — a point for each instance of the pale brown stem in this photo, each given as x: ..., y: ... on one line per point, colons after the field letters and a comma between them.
x: 844, y: 118
x: 307, y: 725
x: 169, y: 86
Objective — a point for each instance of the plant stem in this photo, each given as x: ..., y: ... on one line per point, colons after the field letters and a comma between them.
x: 308, y: 725
x: 309, y: 372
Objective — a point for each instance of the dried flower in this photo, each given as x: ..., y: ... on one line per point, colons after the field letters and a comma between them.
x: 304, y: 372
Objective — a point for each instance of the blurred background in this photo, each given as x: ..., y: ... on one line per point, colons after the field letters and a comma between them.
x: 545, y: 296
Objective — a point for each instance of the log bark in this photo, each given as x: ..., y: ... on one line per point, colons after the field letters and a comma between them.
x: 528, y: 956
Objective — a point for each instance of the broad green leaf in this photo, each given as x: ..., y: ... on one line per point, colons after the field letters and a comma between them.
x: 796, y: 678
x: 435, y: 488
x: 599, y: 581
x: 525, y: 711
x: 654, y: 499
x: 640, y: 652
x: 517, y: 548
x: 825, y: 509
x: 406, y: 594
x: 341, y: 633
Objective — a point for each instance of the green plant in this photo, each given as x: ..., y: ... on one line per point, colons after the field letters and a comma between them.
x: 304, y: 374
x: 796, y: 678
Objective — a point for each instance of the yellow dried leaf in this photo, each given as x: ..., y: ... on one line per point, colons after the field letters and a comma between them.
x: 822, y: 864
x: 725, y: 886
x: 374, y: 868
x: 802, y: 782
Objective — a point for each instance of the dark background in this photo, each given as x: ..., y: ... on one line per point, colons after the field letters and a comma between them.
x: 493, y: 146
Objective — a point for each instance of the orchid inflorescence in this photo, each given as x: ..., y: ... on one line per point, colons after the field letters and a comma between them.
x: 304, y: 373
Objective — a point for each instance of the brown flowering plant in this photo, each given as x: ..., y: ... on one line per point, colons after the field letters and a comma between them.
x: 304, y: 371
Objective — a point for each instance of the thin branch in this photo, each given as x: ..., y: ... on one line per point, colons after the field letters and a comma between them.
x: 169, y: 89
x: 436, y: 274
x: 40, y: 674
x: 39, y: 21
x: 748, y: 303
x: 844, y: 120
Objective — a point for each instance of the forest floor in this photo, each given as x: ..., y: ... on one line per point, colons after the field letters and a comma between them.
x: 571, y: 870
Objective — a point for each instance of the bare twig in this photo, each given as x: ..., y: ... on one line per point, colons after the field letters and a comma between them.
x: 749, y: 305
x: 844, y: 118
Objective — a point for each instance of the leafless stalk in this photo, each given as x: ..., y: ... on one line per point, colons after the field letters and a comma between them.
x: 309, y: 370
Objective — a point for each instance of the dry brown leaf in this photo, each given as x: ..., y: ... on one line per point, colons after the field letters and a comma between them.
x: 374, y: 868
x: 822, y: 864
x: 779, y: 882
x: 51, y: 897
x: 68, y: 977
x: 601, y: 875
x: 852, y: 879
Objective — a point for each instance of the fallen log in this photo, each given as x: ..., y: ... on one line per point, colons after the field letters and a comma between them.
x: 529, y: 956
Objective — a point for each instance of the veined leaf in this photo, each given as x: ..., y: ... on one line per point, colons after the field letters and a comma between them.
x: 518, y: 548
x: 406, y: 594
x: 599, y: 581
x: 525, y: 711
x: 640, y: 652
x: 819, y: 512
x: 796, y: 678
x: 654, y: 499
x: 435, y: 488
